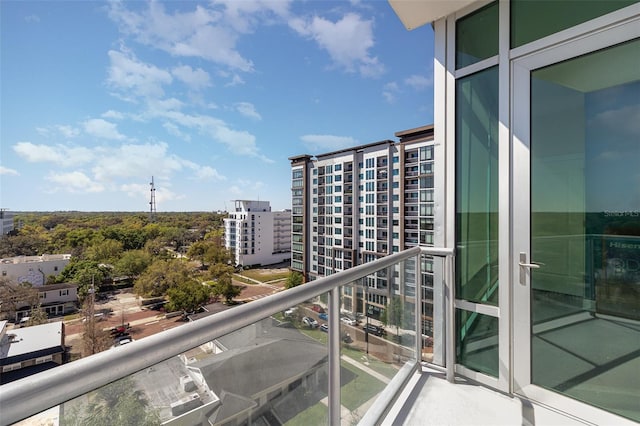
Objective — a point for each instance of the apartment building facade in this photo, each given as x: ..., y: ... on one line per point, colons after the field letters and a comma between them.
x: 359, y: 204
x: 257, y: 235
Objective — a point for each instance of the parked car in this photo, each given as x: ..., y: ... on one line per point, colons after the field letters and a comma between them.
x: 323, y: 316
x: 374, y: 329
x: 289, y: 312
x: 325, y: 328
x: 318, y: 308
x: 310, y: 322
x: 348, y: 321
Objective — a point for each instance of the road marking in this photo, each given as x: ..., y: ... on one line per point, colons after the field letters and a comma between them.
x: 152, y: 322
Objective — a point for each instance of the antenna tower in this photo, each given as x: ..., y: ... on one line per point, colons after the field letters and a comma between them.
x: 152, y: 203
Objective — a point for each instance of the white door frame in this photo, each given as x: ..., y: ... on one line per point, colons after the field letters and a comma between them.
x: 597, y: 37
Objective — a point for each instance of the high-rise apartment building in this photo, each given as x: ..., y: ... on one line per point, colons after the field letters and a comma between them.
x: 257, y: 235
x: 358, y: 204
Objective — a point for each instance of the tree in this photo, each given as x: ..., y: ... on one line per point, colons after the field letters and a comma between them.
x: 188, y: 296
x: 157, y: 248
x: 160, y: 276
x: 106, y: 251
x: 293, y: 280
x: 393, y: 314
x: 14, y: 296
x: 37, y: 316
x: 94, y: 338
x: 132, y: 263
x: 211, y: 252
x: 119, y: 403
x: 224, y: 287
x: 86, y: 274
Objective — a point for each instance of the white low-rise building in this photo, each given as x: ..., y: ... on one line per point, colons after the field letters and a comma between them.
x: 33, y: 269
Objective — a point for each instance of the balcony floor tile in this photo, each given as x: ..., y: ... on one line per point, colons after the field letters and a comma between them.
x: 429, y: 399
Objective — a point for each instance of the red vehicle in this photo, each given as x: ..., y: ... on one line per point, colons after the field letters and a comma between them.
x: 318, y: 308
x: 120, y: 330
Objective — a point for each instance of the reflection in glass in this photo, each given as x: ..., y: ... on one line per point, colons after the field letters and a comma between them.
x: 532, y: 20
x: 477, y: 187
x: 378, y: 335
x: 274, y: 368
x: 477, y: 342
x: 477, y: 36
x: 585, y: 228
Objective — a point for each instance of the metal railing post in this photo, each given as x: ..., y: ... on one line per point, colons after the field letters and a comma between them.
x: 334, y: 356
x: 418, y: 307
x: 450, y: 339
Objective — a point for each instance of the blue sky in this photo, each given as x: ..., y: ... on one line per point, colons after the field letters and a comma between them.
x: 209, y: 98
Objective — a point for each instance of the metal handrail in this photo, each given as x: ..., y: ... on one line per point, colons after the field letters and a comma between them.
x: 31, y: 395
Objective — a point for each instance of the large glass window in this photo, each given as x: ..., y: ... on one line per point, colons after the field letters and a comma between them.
x: 477, y: 187
x: 585, y: 228
x: 477, y: 217
x: 532, y: 20
x: 477, y: 36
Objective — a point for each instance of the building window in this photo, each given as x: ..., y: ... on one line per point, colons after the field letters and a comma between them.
x: 477, y: 36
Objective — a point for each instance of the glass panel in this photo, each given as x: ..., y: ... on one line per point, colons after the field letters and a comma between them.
x: 378, y: 333
x: 477, y: 342
x: 275, y: 368
x: 532, y: 20
x: 477, y: 187
x: 585, y: 228
x: 477, y: 36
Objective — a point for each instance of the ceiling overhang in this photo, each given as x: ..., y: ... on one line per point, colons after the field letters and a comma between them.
x: 415, y: 13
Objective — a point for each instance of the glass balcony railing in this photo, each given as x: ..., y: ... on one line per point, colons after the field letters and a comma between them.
x: 335, y: 350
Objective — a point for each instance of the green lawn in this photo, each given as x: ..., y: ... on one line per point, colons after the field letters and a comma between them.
x: 315, y: 415
x: 262, y: 276
x: 386, y: 369
x: 359, y: 390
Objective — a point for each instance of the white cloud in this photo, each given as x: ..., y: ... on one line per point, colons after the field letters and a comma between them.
x: 239, y: 142
x: 8, y: 171
x: 68, y: 131
x: 327, y: 142
x: 194, y: 78
x: 245, y: 15
x: 128, y: 75
x: 135, y: 160
x: 204, y: 172
x: 347, y: 41
x: 116, y: 115
x: 248, y: 110
x: 58, y: 154
x: 141, y: 192
x: 32, y: 19
x: 419, y: 82
x: 102, y: 129
x: 390, y: 92
x: 74, y: 182
x: 199, y: 33
x: 236, y: 80
x: 175, y: 131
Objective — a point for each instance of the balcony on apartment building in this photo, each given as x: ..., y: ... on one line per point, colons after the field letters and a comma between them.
x: 315, y: 354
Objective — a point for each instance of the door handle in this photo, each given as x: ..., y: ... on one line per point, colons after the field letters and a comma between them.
x: 524, y: 266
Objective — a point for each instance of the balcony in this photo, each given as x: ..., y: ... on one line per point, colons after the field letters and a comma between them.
x: 270, y: 362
